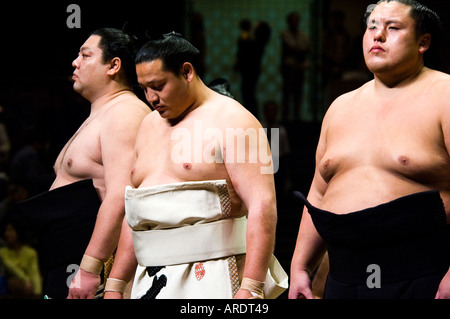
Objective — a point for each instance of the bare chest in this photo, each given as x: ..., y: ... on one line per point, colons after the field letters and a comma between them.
x: 81, y: 156
x: 404, y: 139
x: 185, y: 153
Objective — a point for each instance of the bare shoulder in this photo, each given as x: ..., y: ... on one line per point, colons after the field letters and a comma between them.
x: 127, y: 109
x: 436, y: 87
x: 228, y: 112
x: 347, y: 101
x: 438, y: 75
x: 152, y: 119
x: 438, y: 81
x: 131, y: 104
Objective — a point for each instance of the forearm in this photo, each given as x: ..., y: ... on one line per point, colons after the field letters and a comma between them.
x: 124, y: 265
x: 260, y: 242
x: 106, y: 232
x: 101, y: 246
x: 309, y: 248
x: 125, y: 262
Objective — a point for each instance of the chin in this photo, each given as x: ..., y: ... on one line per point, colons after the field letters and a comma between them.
x: 164, y: 114
x: 378, y: 67
x: 76, y: 87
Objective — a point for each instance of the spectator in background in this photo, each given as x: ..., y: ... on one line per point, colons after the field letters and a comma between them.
x: 284, y: 150
x: 27, y: 166
x: 251, y: 47
x: 20, y: 262
x: 336, y: 47
x: 198, y: 39
x: 295, y: 47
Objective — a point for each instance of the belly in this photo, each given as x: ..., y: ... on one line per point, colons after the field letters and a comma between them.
x: 362, y: 188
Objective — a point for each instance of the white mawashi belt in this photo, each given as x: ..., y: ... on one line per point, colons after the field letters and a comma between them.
x: 190, y: 243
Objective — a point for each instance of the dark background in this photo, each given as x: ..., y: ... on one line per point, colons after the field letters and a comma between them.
x: 37, y: 43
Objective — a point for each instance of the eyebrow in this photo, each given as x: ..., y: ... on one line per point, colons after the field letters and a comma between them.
x: 151, y: 83
x: 386, y: 22
x: 393, y: 21
x: 83, y: 49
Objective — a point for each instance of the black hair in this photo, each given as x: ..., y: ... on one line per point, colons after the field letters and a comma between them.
x: 427, y: 21
x: 173, y: 50
x: 116, y: 43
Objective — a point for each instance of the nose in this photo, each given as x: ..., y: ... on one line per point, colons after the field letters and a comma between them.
x: 75, y: 63
x: 151, y: 97
x: 379, y: 35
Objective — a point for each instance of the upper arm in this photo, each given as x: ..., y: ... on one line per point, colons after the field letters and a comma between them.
x: 445, y: 124
x: 248, y: 162
x: 319, y: 185
x: 148, y: 124
x: 117, y: 140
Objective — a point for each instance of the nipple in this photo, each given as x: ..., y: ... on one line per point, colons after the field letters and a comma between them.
x: 403, y: 160
x: 187, y: 165
x: 69, y: 162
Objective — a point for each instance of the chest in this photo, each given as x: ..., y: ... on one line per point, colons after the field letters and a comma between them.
x: 189, y: 152
x: 404, y: 138
x: 82, y: 153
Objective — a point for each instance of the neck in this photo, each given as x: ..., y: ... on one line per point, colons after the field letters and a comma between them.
x: 104, y: 97
x: 388, y: 92
x: 16, y: 246
x: 398, y: 80
x: 200, y: 93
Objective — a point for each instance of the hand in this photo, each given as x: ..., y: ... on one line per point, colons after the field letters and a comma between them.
x: 84, y: 285
x: 300, y: 287
x: 112, y: 295
x: 444, y: 288
x: 243, y: 294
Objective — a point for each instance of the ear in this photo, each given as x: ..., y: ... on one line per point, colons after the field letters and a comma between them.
x: 187, y: 71
x: 114, y: 66
x: 425, y: 42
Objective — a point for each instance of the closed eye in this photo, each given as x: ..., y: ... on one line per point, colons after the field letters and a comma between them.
x: 158, y: 88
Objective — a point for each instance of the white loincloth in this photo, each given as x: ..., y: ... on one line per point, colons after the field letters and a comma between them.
x: 186, y: 244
